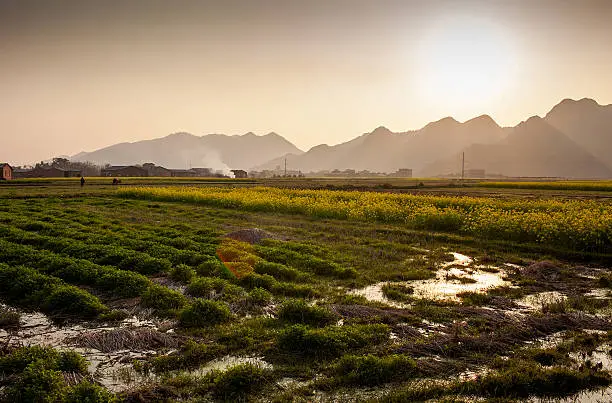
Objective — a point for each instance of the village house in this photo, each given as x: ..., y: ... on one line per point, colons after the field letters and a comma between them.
x: 203, y: 172
x: 239, y: 173
x: 156, y: 170
x: 46, y: 172
x: 403, y: 173
x: 6, y: 172
x: 123, y: 171
x: 182, y: 173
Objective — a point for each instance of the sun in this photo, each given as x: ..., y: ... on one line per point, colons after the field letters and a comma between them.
x: 465, y: 62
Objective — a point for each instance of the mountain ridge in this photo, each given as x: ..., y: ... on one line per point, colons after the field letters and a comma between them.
x: 573, y: 130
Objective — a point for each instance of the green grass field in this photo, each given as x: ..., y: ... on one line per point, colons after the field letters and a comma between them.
x: 355, y: 290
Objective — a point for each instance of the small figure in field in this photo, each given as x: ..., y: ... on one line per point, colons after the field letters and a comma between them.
x: 82, y: 181
x: 116, y: 181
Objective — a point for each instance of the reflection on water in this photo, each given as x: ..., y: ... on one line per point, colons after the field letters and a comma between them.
x: 451, y: 279
x: 113, y: 370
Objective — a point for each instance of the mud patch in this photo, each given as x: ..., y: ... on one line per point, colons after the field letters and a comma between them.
x: 112, y: 367
x: 250, y: 235
x: 538, y: 300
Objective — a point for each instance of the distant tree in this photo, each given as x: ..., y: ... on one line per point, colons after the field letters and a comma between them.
x: 62, y: 163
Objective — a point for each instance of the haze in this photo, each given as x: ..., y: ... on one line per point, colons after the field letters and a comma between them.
x: 80, y: 75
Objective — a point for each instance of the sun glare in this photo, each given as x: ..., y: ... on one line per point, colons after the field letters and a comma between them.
x: 465, y: 62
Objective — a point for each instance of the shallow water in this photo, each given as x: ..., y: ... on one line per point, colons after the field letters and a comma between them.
x: 113, y: 370
x: 603, y: 395
x: 599, y: 293
x: 445, y: 286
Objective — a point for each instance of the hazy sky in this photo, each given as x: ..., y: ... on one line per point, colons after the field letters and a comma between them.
x: 80, y: 75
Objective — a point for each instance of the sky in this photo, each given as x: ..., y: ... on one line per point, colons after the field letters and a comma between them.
x: 80, y: 75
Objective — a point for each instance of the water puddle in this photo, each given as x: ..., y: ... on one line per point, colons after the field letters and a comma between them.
x: 111, y: 369
x: 451, y: 279
x: 374, y: 293
x: 460, y: 260
x: 600, y: 358
x: 599, y: 293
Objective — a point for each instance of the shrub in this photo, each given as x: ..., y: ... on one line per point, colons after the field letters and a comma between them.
x: 70, y: 361
x: 37, y: 383
x: 282, y: 254
x: 36, y: 373
x: 163, y: 298
x: 204, y: 312
x: 70, y: 300
x: 182, y: 273
x: 214, y: 288
x: 259, y: 296
x: 86, y: 392
x: 21, y: 357
x: 474, y: 298
x: 397, y: 292
x: 254, y: 280
x: 370, y: 370
x: 147, y: 265
x: 298, y: 311
x: 9, y: 317
x: 330, y: 341
x: 190, y: 356
x: 210, y: 267
x: 123, y: 283
x: 521, y: 379
x: 26, y: 286
x: 238, y: 381
x: 277, y: 270
x: 206, y: 287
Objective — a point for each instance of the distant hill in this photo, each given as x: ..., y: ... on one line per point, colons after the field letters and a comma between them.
x: 385, y: 151
x: 573, y: 140
x: 587, y: 123
x: 533, y: 148
x: 182, y: 150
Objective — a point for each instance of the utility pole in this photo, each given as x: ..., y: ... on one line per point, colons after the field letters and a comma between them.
x: 462, y: 165
x: 285, y: 167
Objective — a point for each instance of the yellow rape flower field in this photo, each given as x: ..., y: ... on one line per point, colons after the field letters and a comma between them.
x: 584, y: 225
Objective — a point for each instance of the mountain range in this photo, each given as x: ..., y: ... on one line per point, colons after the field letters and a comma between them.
x: 184, y: 150
x: 573, y: 140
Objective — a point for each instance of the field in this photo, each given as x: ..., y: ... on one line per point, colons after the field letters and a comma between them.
x: 305, y: 290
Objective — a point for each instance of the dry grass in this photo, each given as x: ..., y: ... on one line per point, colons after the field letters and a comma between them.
x: 126, y: 339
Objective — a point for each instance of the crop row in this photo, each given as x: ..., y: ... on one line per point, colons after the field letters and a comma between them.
x: 31, y: 289
x: 75, y: 271
x: 599, y: 186
x: 143, y: 256
x: 577, y: 225
x: 175, y: 240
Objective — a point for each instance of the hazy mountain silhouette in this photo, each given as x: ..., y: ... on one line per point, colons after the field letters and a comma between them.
x: 385, y: 151
x: 533, y: 148
x: 587, y: 123
x: 573, y: 140
x: 180, y: 150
